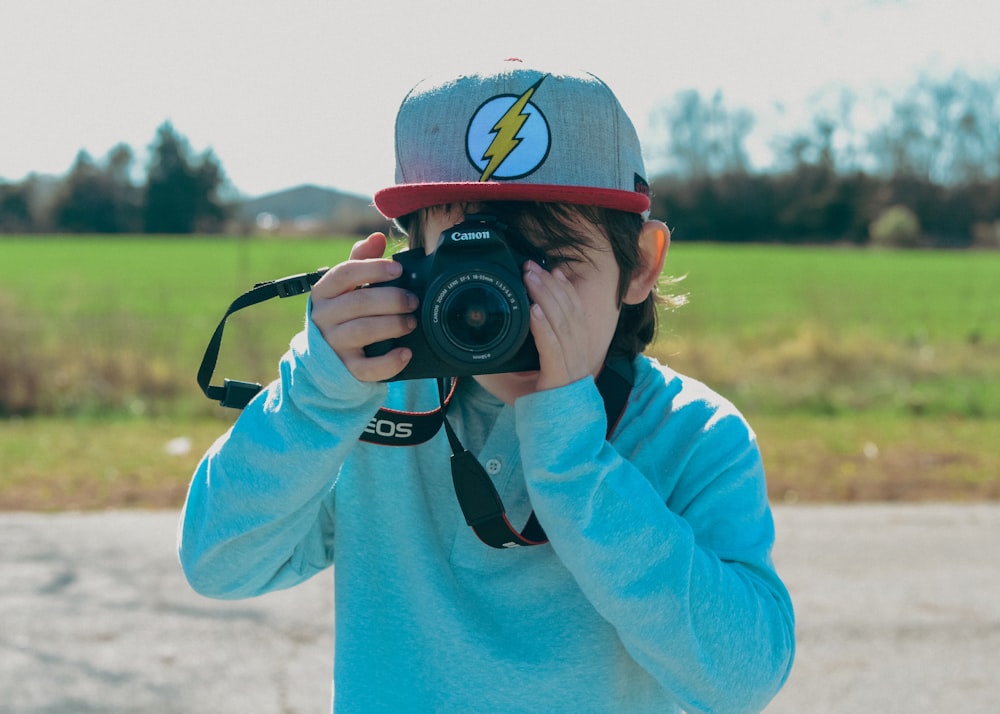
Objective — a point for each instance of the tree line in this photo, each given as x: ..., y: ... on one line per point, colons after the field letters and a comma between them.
x: 181, y: 192
x: 921, y: 167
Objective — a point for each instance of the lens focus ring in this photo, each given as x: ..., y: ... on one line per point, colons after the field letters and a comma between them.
x: 476, y: 317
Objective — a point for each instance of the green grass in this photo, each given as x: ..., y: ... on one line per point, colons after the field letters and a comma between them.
x: 879, y: 457
x: 836, y: 331
x: 868, y: 374
x: 917, y: 296
x: 170, y: 288
x: 136, y: 313
x: 85, y: 464
x: 120, y: 324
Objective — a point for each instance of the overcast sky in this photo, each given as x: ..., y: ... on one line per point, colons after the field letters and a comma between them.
x: 288, y: 92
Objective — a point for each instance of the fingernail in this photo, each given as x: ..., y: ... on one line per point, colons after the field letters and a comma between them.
x: 395, y: 268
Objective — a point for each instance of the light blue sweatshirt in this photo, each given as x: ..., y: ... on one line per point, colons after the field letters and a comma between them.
x: 656, y: 593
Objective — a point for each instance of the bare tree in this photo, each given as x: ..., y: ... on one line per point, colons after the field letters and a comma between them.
x: 703, y: 137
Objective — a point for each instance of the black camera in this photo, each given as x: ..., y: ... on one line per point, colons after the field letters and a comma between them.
x: 474, y: 309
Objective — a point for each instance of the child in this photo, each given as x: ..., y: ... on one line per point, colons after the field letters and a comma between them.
x: 642, y: 580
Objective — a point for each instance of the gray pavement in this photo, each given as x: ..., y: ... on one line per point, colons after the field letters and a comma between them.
x: 898, y: 611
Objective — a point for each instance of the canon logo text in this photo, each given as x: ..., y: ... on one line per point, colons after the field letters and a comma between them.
x: 473, y: 235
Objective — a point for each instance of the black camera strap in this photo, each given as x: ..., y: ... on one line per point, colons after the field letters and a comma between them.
x: 477, y: 496
x: 233, y: 393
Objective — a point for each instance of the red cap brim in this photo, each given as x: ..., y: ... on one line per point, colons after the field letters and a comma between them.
x: 397, y: 201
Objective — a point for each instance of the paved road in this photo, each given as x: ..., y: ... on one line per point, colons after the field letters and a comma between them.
x: 898, y: 611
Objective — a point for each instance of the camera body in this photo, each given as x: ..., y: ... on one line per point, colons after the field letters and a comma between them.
x: 474, y: 309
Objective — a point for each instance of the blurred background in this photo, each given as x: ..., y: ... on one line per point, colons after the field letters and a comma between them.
x: 830, y: 171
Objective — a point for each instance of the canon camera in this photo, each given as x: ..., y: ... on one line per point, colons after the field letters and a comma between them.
x: 474, y: 309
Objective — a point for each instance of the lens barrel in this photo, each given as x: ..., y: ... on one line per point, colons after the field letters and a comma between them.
x: 476, y: 317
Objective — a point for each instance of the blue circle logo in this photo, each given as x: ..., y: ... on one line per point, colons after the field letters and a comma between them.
x: 508, y: 137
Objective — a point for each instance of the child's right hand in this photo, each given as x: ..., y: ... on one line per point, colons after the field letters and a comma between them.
x: 350, y: 318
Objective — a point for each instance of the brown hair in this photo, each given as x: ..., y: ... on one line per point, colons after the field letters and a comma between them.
x: 554, y: 226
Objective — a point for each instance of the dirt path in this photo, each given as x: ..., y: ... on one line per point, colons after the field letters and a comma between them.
x: 896, y: 605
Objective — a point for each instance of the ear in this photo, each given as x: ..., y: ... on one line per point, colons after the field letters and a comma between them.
x: 654, y: 242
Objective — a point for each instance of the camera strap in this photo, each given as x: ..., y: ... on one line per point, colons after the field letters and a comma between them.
x: 477, y: 496
x: 233, y: 393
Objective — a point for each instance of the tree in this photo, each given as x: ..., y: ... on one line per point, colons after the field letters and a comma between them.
x: 182, y: 190
x: 96, y: 198
x: 942, y: 131
x: 15, y: 208
x: 704, y: 138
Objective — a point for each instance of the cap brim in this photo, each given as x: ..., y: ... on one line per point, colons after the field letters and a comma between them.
x: 397, y: 201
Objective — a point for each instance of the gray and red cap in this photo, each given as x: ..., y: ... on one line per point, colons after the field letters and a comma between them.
x: 515, y: 133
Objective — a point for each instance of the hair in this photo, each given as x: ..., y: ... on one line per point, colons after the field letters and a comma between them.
x: 557, y: 225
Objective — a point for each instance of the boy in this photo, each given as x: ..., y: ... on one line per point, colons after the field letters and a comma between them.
x: 642, y: 580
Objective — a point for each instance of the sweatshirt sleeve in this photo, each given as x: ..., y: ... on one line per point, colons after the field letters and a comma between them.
x: 258, y: 515
x: 674, y: 549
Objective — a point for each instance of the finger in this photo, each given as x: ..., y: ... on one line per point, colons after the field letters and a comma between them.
x: 375, y: 369
x: 541, y: 329
x: 553, y: 282
x: 371, y: 247
x: 558, y: 327
x: 555, y: 294
x: 360, y: 306
x: 364, y: 265
x: 352, y: 274
x: 377, y: 300
x: 553, y: 371
x: 357, y: 334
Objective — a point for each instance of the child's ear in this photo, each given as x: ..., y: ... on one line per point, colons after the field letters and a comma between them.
x: 654, y: 241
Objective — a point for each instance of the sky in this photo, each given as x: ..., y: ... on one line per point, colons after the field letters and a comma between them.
x: 289, y: 92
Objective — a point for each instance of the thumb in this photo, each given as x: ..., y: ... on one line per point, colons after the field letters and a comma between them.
x: 371, y: 247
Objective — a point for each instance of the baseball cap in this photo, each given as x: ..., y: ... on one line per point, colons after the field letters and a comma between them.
x: 519, y: 133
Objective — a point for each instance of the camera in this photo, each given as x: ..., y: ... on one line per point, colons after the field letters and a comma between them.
x: 474, y: 309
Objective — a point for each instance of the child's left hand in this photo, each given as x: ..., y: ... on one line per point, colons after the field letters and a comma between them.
x: 559, y: 327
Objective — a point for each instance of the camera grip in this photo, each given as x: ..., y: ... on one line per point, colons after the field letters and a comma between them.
x: 377, y: 349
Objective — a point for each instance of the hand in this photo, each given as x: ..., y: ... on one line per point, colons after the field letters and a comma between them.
x: 559, y: 327
x: 350, y: 317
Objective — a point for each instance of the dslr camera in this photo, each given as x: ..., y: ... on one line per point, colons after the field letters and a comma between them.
x: 474, y: 309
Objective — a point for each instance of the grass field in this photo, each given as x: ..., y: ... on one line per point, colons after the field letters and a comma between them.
x: 867, y: 374
x: 833, y: 330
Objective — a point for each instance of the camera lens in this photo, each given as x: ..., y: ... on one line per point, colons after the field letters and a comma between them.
x: 476, y: 317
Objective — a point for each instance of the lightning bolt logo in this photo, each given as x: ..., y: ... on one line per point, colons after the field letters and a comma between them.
x: 507, y: 132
